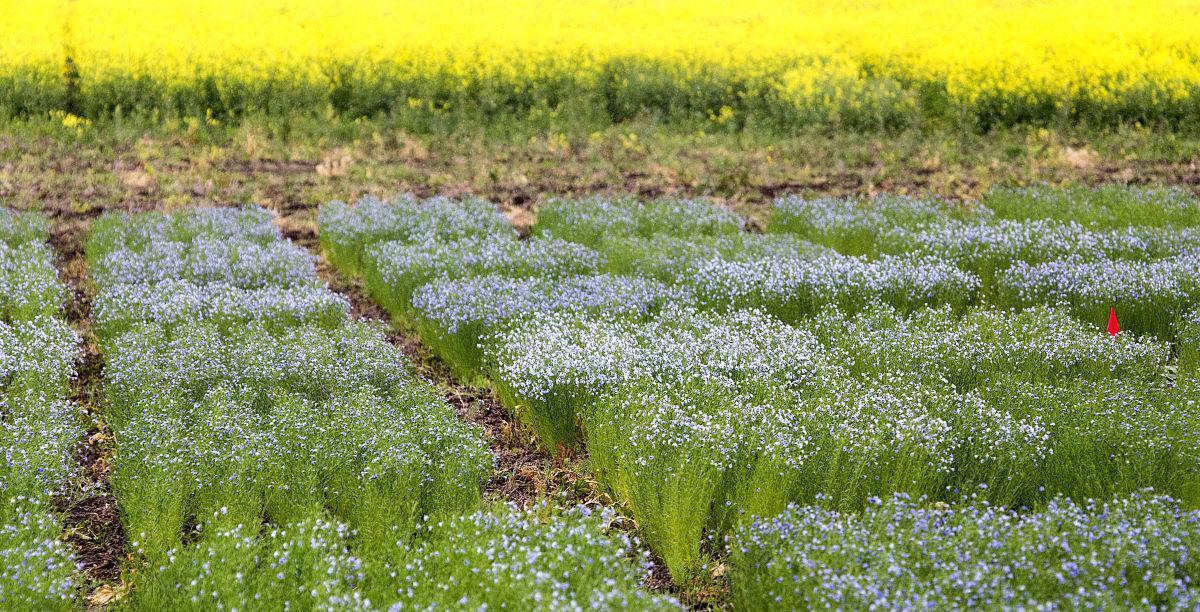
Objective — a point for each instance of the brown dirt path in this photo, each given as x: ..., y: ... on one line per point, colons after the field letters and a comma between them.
x: 93, y: 526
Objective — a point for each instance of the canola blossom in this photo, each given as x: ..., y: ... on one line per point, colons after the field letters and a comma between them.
x: 883, y: 64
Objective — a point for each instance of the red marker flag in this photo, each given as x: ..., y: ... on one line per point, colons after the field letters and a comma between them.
x: 1114, y: 328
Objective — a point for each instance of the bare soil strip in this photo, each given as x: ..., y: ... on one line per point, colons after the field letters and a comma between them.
x: 93, y: 526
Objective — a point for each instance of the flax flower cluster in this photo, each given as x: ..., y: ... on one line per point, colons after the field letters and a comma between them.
x: 906, y: 553
x: 271, y: 453
x: 858, y: 351
x: 536, y: 559
x: 240, y: 393
x: 1131, y: 249
x: 39, y: 428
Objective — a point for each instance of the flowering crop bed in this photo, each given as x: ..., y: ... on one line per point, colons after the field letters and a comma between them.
x: 1134, y: 552
x: 273, y: 453
x: 835, y: 407
x: 1131, y: 249
x: 39, y: 428
x: 884, y: 64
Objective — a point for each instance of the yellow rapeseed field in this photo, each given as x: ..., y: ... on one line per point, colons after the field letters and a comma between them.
x: 850, y: 62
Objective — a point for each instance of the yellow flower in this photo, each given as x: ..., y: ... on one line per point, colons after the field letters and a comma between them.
x: 817, y: 56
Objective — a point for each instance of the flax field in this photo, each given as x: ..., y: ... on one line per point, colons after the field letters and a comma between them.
x: 599, y: 305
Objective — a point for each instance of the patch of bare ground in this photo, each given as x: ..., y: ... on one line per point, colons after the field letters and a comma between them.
x: 92, y: 524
